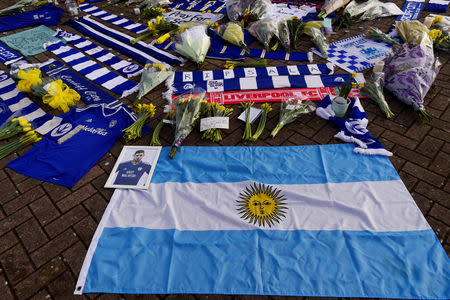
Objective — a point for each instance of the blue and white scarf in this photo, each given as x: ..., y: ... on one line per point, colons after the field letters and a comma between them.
x: 89, y: 92
x: 256, y: 83
x: 92, y: 70
x: 111, y: 18
x: 411, y: 11
x: 354, y: 128
x: 293, y: 70
x: 48, y: 15
x: 125, y: 39
x: 437, y: 5
x: 124, y: 67
x: 200, y: 5
x: 19, y: 104
x: 8, y: 56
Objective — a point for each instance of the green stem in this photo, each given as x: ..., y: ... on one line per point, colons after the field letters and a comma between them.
x: 139, y: 38
x: 276, y: 130
x: 261, y: 125
x: 155, y: 137
x: 248, y: 128
x: 173, y: 151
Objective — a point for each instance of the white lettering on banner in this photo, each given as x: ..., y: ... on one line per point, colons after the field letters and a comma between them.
x: 100, y: 131
x: 214, y: 122
x: 181, y: 17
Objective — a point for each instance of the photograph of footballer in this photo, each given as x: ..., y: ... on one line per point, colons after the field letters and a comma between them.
x: 134, y: 167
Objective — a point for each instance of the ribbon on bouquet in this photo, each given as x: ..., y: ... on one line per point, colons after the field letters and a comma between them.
x: 124, y: 67
x: 437, y: 5
x: 18, y: 102
x: 112, y: 18
x: 158, y: 55
x: 354, y: 128
x: 92, y: 70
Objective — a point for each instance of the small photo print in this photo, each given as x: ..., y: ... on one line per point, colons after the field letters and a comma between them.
x: 134, y: 168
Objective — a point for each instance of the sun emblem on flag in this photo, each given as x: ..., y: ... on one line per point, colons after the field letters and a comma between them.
x: 261, y: 204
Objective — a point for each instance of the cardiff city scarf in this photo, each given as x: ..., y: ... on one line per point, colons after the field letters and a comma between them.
x: 48, y: 15
x: 111, y: 18
x: 411, y: 11
x: 92, y: 70
x: 125, y: 39
x: 316, y: 221
x: 356, y: 53
x: 88, y: 91
x: 124, y: 67
x: 256, y: 83
x: 292, y: 70
x: 437, y: 5
x: 108, y: 41
x: 19, y: 104
x: 354, y: 128
x: 29, y: 42
x: 7, y: 56
x: 200, y: 5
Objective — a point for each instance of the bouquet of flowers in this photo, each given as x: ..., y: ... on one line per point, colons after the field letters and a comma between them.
x: 170, y: 116
x: 372, y: 9
x: 111, y: 2
x: 312, y: 29
x: 143, y: 112
x: 14, y: 127
x: 414, y: 32
x: 27, y: 139
x: 283, y: 36
x: 264, y: 30
x: 374, y: 88
x: 53, y: 92
x: 248, y: 128
x: 232, y: 32
x: 266, y: 108
x: 157, y: 27
x: 193, y: 42
x: 151, y: 12
x: 440, y: 39
x: 376, y: 34
x: 330, y: 6
x: 409, y: 74
x: 153, y: 75
x: 247, y: 11
x: 291, y: 109
x: 296, y: 29
x: 215, y: 110
x: 187, y: 113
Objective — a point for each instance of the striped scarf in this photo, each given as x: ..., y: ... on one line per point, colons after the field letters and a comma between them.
x: 111, y: 18
x: 92, y: 70
x: 20, y: 105
x: 110, y: 33
x: 202, y: 5
x: 437, y: 5
x: 124, y: 67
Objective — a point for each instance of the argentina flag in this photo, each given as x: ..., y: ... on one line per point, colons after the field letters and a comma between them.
x: 300, y: 220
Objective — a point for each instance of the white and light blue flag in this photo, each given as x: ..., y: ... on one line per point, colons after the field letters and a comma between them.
x: 301, y: 220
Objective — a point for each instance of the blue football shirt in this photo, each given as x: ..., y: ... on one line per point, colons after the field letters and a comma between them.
x: 73, y: 147
x: 130, y: 174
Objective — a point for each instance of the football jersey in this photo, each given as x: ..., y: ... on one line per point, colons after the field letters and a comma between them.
x: 71, y: 149
x: 130, y: 174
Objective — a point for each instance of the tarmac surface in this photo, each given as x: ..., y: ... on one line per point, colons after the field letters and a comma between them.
x: 45, y: 229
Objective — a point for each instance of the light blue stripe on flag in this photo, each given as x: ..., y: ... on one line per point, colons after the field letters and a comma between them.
x: 301, y: 221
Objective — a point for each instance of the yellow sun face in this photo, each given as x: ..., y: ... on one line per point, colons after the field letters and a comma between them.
x: 261, y: 204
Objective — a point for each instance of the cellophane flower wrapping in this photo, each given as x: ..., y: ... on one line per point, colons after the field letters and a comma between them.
x: 233, y: 33
x: 374, y: 88
x: 410, y: 72
x: 264, y: 30
x: 291, y: 109
x: 320, y: 41
x: 153, y: 75
x: 372, y: 9
x: 414, y: 32
x: 283, y: 35
x: 193, y: 43
x: 236, y: 8
x: 187, y: 113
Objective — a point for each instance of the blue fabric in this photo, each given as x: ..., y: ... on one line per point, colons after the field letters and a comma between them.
x: 130, y: 174
x: 437, y: 7
x: 88, y: 91
x: 202, y: 5
x: 66, y: 163
x: 271, y: 262
x: 353, y: 128
x: 48, y: 15
x: 7, y: 55
x: 346, y: 168
x: 411, y: 11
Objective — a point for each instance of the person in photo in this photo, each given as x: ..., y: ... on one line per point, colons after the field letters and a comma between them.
x: 133, y: 172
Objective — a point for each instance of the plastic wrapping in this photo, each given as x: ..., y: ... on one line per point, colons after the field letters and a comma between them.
x: 409, y: 74
x: 374, y: 88
x: 291, y: 109
x: 372, y: 9
x: 153, y: 75
x: 414, y: 32
x: 237, y: 8
x: 284, y: 34
x: 233, y: 33
x: 193, y: 42
x: 264, y: 30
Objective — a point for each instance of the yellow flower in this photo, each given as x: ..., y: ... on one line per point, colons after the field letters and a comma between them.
x: 28, y: 79
x: 207, y: 22
x: 25, y: 129
x: 266, y: 107
x: 162, y: 38
x: 159, y: 20
x: 354, y: 75
x: 151, y: 26
x: 23, y: 122
x: 436, y: 19
x: 435, y: 34
x: 361, y: 85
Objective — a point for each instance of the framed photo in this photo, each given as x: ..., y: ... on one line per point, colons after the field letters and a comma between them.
x: 134, y: 168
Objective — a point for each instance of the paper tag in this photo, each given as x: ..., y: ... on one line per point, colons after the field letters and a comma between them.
x: 168, y: 121
x: 254, y: 114
x: 214, y: 122
x: 290, y: 106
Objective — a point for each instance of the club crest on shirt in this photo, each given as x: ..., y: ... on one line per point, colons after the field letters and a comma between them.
x: 262, y: 204
x: 112, y: 123
x: 61, y: 129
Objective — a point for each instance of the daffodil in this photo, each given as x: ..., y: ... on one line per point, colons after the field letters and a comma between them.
x: 27, y: 139
x: 143, y: 112
x: 266, y: 108
x: 28, y: 79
